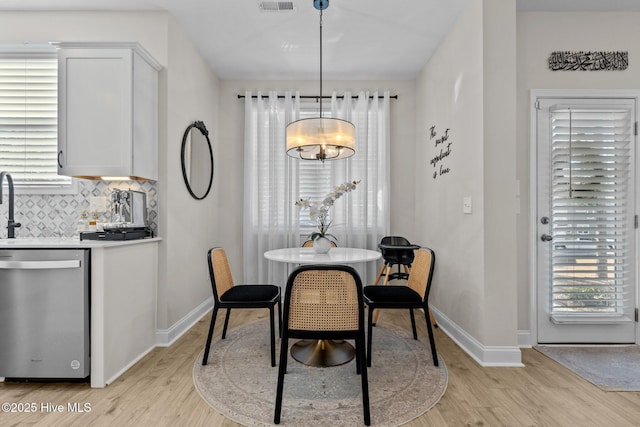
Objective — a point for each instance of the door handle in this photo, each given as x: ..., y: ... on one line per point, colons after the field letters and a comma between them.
x: 39, y: 265
x: 546, y: 238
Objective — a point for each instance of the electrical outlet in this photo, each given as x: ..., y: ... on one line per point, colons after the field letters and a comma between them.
x: 466, y: 205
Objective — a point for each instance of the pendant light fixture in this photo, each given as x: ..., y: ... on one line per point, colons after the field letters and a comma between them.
x: 321, y: 138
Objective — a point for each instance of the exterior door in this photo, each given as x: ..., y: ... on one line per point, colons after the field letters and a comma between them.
x: 585, y: 220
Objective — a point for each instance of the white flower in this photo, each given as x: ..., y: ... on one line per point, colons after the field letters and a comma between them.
x: 319, y: 212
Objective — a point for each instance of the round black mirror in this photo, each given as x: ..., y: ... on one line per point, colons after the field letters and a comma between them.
x: 197, y: 160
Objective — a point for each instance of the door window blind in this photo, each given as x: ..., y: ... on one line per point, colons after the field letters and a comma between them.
x: 592, y: 210
x: 28, y: 121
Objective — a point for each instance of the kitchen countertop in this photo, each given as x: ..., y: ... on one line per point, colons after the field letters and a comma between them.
x: 68, y: 242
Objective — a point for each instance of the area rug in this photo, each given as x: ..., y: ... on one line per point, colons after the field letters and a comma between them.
x: 611, y: 368
x: 240, y: 383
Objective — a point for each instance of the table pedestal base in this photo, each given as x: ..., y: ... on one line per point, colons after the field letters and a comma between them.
x: 322, y: 353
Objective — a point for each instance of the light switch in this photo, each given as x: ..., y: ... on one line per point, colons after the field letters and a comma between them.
x: 466, y: 204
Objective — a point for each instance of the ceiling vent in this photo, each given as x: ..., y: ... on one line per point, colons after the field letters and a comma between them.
x: 276, y: 6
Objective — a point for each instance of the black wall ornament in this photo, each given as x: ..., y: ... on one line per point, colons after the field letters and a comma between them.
x: 438, y: 161
x: 197, y: 160
x: 588, y: 61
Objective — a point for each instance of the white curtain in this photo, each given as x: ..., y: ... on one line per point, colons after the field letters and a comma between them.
x: 364, y: 219
x: 271, y: 220
x: 270, y: 185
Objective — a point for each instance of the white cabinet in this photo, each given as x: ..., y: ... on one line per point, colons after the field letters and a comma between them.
x: 107, y: 111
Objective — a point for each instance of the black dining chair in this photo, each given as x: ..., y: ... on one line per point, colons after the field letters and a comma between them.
x: 324, y: 302
x: 414, y: 295
x: 229, y: 296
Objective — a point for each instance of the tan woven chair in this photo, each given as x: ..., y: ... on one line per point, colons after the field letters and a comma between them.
x: 414, y: 295
x: 309, y: 244
x: 227, y: 295
x: 324, y: 302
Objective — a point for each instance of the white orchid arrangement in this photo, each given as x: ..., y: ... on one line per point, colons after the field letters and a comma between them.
x: 319, y: 211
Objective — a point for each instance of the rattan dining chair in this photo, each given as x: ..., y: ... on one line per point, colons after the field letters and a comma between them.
x: 414, y: 295
x: 309, y: 244
x: 324, y: 302
x: 229, y: 296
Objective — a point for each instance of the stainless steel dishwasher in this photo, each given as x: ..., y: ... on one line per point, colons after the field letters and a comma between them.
x: 44, y: 313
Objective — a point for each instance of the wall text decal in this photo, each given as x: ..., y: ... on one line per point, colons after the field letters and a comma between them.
x: 445, y: 150
x: 588, y: 61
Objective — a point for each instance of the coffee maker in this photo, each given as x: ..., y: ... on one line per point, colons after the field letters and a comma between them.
x: 128, y: 209
x: 128, y: 218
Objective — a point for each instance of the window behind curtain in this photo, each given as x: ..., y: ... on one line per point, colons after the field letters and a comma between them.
x: 273, y: 181
x: 28, y: 123
x: 314, y: 178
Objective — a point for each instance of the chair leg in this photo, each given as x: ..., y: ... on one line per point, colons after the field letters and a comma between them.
x: 210, y: 335
x: 272, y: 336
x: 282, y: 369
x: 433, y: 319
x: 385, y: 283
x: 279, y: 319
x: 370, y: 334
x: 413, y: 324
x: 380, y: 274
x: 432, y: 340
x: 365, y: 381
x: 387, y: 274
x: 384, y: 266
x: 358, y: 357
x: 226, y: 323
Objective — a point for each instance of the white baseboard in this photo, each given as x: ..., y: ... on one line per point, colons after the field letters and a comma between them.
x: 524, y: 339
x: 503, y: 356
x: 124, y: 369
x: 166, y: 337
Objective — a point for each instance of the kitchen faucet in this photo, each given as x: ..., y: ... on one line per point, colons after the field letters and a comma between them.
x: 11, y: 224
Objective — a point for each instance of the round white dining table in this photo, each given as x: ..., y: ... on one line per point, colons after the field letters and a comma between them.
x: 322, y: 353
x: 335, y: 256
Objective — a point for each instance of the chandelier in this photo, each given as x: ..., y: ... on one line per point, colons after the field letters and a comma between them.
x: 320, y: 138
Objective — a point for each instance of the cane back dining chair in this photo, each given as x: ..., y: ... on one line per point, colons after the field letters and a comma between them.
x: 228, y: 295
x: 309, y: 244
x: 414, y: 295
x: 324, y: 302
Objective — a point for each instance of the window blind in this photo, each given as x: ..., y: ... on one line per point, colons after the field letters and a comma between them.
x: 28, y: 121
x: 316, y: 179
x: 592, y: 213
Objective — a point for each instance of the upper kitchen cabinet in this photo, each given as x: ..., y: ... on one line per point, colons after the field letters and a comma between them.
x: 107, y: 111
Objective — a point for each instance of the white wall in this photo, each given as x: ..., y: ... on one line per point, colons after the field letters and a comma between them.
x: 539, y: 34
x: 189, y: 226
x: 468, y: 86
x: 231, y: 152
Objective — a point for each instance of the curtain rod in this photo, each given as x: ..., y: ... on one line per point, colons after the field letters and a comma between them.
x: 318, y: 96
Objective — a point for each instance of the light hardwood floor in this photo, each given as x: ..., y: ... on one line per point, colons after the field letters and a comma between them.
x: 159, y: 391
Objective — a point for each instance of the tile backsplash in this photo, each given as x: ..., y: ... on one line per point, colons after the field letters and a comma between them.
x: 57, y: 215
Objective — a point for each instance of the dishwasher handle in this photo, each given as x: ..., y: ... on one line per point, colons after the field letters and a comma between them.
x: 39, y: 265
